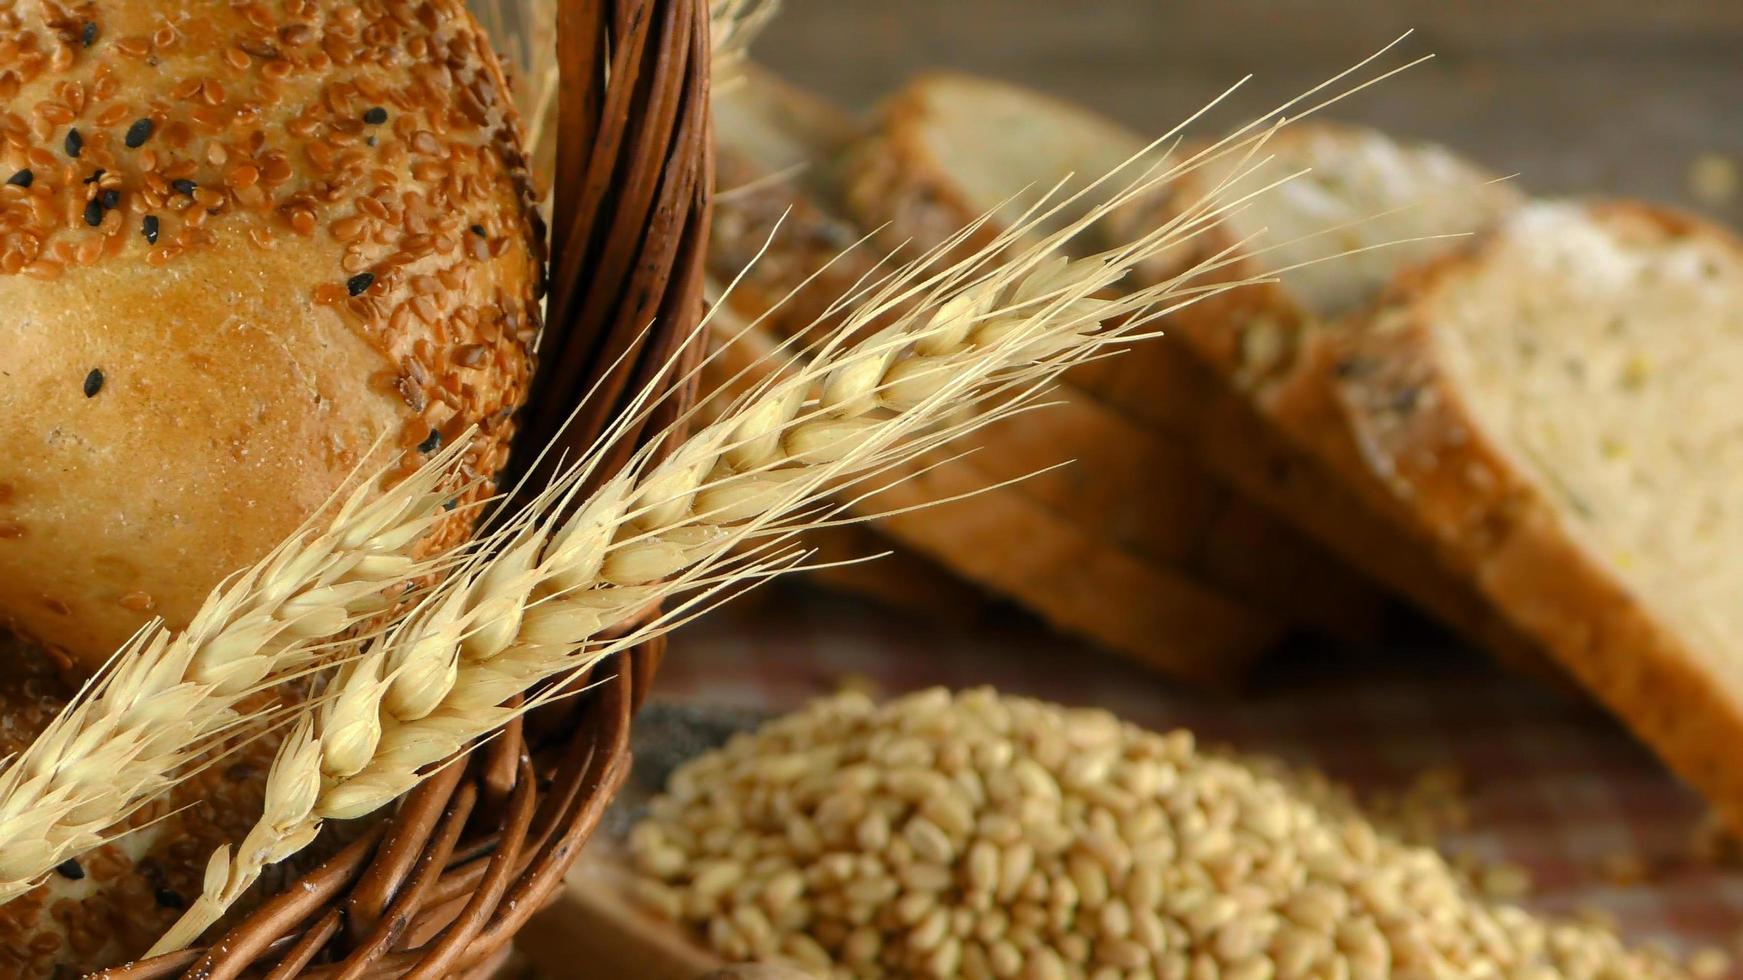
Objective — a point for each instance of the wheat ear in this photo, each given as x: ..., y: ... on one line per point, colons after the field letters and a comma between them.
x: 534, y: 609
x: 166, y: 698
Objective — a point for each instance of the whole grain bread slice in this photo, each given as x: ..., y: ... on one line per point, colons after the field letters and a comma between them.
x: 953, y: 149
x: 776, y: 204
x: 1559, y: 410
x: 1268, y: 417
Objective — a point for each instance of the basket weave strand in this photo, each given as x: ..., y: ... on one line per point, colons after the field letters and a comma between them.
x: 441, y: 888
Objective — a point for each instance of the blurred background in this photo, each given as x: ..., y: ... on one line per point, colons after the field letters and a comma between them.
x: 1576, y: 96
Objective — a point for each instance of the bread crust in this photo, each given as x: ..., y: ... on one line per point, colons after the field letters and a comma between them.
x: 246, y: 255
x: 1418, y: 433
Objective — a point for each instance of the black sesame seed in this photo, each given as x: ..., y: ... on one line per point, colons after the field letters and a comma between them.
x: 169, y: 898
x: 110, y: 198
x: 479, y: 231
x: 93, y: 382
x: 23, y: 178
x: 151, y: 229
x: 360, y: 283
x: 75, y: 143
x: 94, y: 212
x: 71, y: 869
x: 184, y: 186
x: 375, y: 116
x: 139, y: 132
x: 450, y: 503
x: 89, y: 33
x: 433, y: 443
x: 96, y: 175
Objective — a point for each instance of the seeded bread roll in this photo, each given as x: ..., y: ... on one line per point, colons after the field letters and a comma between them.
x: 241, y: 245
x: 1559, y: 410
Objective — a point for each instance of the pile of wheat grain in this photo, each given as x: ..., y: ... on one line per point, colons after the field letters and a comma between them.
x: 980, y: 835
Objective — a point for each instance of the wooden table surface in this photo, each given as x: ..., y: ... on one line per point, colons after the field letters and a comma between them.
x: 1576, y: 96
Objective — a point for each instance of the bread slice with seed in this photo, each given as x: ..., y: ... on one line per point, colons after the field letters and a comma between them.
x: 1024, y: 542
x: 951, y: 150
x: 1282, y: 438
x: 1559, y: 409
x: 776, y: 144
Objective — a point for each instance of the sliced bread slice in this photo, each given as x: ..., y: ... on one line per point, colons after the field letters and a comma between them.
x: 1560, y: 410
x: 1284, y: 440
x: 776, y: 144
x: 951, y: 149
x: 793, y: 259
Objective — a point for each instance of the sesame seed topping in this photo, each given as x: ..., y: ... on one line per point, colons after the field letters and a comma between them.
x: 89, y: 33
x: 111, y: 198
x: 139, y: 132
x: 360, y: 283
x: 184, y: 186
x: 169, y: 898
x: 75, y: 144
x: 150, y: 227
x: 375, y: 116
x: 96, y: 175
x: 431, y: 444
x: 23, y: 178
x: 479, y: 231
x: 71, y: 869
x: 93, y: 382
x: 94, y: 212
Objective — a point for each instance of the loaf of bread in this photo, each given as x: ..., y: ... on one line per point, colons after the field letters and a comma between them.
x: 953, y: 149
x: 246, y: 250
x: 1558, y: 409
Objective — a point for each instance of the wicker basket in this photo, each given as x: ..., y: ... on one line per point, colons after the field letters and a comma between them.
x: 440, y: 888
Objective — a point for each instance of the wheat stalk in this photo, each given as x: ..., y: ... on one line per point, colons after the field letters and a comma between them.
x: 984, y: 332
x: 167, y: 698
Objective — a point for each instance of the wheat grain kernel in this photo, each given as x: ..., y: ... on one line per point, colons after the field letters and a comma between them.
x: 1007, y: 864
